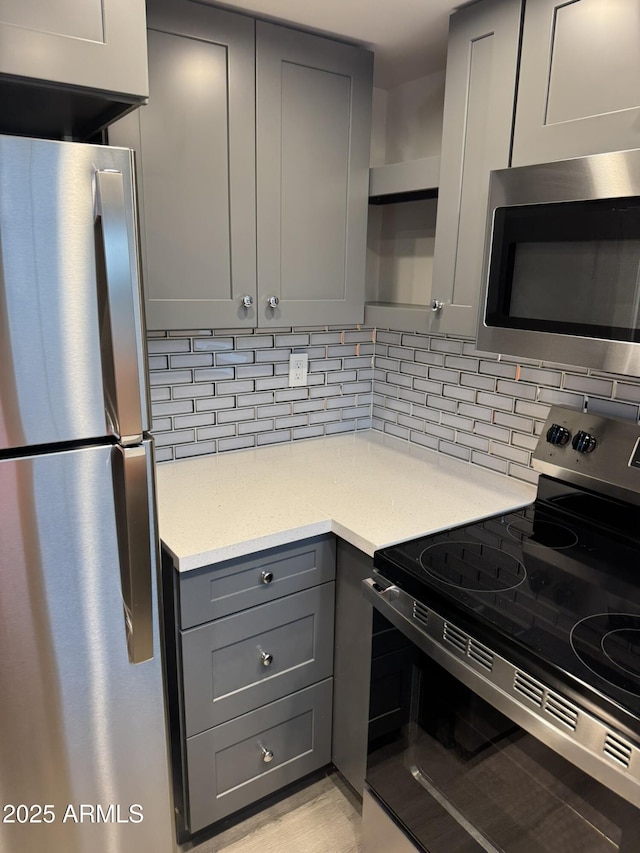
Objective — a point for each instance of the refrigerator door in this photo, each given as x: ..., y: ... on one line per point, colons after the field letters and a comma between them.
x: 72, y: 363
x: 83, y: 751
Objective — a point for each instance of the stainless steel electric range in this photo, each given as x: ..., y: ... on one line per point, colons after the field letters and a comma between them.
x: 507, y: 717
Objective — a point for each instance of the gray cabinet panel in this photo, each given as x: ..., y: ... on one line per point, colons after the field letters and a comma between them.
x: 579, y: 87
x: 196, y: 157
x: 215, y: 591
x: 478, y: 117
x: 313, y: 125
x: 227, y: 767
x: 236, y: 664
x: 352, y: 663
x: 93, y: 44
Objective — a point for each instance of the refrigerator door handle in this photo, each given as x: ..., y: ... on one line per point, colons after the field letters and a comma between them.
x: 121, y: 355
x: 133, y: 507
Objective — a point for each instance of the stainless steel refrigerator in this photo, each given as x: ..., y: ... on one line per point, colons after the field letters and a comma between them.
x: 83, y: 746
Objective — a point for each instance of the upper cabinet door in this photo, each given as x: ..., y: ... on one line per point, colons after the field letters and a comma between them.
x: 196, y: 167
x: 313, y: 127
x: 94, y: 51
x: 579, y: 88
x: 480, y: 86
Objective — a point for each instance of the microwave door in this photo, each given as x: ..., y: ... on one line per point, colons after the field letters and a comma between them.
x: 71, y: 350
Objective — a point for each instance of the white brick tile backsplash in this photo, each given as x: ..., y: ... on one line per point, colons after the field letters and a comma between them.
x: 212, y: 344
x: 195, y: 360
x: 588, y: 385
x: 225, y: 389
x: 274, y: 437
x: 239, y: 443
x: 627, y: 392
x: 485, y: 408
x: 254, y: 342
x: 213, y: 374
x: 214, y: 403
x: 200, y: 448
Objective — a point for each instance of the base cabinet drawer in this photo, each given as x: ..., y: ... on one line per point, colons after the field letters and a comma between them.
x: 234, y: 665
x: 234, y: 585
x: 243, y: 760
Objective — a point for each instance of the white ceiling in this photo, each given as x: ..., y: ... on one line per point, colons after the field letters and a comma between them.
x: 408, y: 36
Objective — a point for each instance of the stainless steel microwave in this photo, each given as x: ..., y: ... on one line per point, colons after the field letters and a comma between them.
x: 562, y: 263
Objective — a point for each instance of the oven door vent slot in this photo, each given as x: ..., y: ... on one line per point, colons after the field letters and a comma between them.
x: 481, y: 655
x: 456, y: 637
x: 529, y: 687
x: 563, y: 711
x: 616, y: 749
x: 420, y: 613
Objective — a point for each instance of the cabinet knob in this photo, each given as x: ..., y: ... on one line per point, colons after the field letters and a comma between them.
x: 247, y: 301
x: 266, y: 658
x: 273, y: 302
x: 266, y: 577
x: 267, y: 755
x: 437, y: 305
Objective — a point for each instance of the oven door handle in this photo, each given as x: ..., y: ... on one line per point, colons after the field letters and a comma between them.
x: 389, y: 601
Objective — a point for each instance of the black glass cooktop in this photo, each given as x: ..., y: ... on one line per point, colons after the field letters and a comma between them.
x: 556, y: 584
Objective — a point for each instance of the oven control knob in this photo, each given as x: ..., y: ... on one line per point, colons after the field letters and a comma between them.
x: 557, y: 434
x: 583, y: 442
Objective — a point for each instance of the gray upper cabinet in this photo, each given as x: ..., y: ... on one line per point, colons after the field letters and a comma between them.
x: 313, y: 127
x: 196, y: 167
x: 579, y: 87
x: 480, y: 87
x: 68, y: 67
x: 198, y: 143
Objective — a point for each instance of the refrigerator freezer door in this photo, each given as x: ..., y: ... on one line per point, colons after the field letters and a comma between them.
x: 72, y: 363
x: 83, y: 752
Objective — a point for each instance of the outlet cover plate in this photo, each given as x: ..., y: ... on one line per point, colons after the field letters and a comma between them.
x: 298, y: 366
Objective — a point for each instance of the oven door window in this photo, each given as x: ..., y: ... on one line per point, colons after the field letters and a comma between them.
x: 460, y: 776
x: 568, y: 267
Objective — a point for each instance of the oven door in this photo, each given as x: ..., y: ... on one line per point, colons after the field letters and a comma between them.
x: 457, y: 774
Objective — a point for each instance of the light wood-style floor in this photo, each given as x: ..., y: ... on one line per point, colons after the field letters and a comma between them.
x: 323, y: 817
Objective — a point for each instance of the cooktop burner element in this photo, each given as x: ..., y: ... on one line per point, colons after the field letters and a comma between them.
x: 609, y: 644
x: 553, y: 586
x: 472, y: 565
x: 543, y: 534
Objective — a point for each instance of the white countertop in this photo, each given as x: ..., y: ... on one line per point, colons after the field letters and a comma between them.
x: 368, y: 488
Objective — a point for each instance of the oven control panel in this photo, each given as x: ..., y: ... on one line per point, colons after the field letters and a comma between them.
x: 592, y: 450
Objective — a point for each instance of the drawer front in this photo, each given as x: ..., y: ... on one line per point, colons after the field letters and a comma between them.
x: 241, y: 662
x: 234, y: 585
x: 226, y: 765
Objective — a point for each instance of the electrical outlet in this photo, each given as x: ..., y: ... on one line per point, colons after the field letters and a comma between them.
x: 298, y: 364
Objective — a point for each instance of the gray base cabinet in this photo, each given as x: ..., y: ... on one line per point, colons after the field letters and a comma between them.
x: 253, y: 161
x: 579, y: 84
x: 250, y: 676
x: 352, y: 665
x: 241, y: 761
x: 482, y: 59
x: 68, y: 67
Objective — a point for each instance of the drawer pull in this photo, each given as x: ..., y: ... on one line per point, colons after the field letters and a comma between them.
x: 266, y: 577
x: 267, y: 755
x: 266, y: 659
